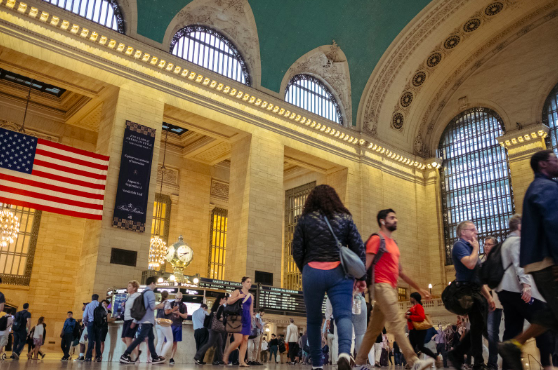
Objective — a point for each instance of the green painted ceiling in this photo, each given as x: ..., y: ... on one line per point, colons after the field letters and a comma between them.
x: 288, y: 29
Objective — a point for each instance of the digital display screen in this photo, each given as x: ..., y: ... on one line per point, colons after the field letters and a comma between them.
x: 281, y: 299
x: 191, y: 306
x: 117, y: 304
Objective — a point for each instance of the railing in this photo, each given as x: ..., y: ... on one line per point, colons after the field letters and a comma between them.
x: 433, y: 303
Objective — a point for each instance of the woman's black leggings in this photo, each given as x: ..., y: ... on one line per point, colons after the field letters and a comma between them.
x: 417, y: 337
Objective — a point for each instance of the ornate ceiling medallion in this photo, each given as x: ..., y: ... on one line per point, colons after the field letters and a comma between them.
x: 419, y: 78
x: 494, y: 8
x: 397, y: 121
x: 434, y: 59
x: 406, y: 99
x: 452, y: 42
x: 472, y: 25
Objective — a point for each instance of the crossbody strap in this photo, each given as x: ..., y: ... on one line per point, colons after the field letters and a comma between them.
x: 339, y: 245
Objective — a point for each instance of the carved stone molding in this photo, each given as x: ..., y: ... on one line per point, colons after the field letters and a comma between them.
x: 15, y: 127
x: 233, y: 18
x: 170, y: 179
x: 219, y: 190
x: 329, y: 64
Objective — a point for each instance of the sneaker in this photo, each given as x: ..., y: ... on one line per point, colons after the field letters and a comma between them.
x: 423, y: 364
x: 42, y: 356
x: 158, y: 360
x: 3, y: 356
x: 126, y: 359
x: 171, y: 361
x: 88, y: 359
x: 64, y: 358
x: 511, y: 353
x: 81, y: 358
x: 456, y: 361
x: 344, y: 362
x: 99, y: 359
x: 15, y: 356
x: 197, y: 362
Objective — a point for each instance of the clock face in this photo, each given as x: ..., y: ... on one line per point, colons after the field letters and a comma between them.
x: 170, y: 254
x: 184, y: 253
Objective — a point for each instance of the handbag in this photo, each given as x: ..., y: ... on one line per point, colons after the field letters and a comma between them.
x: 458, y: 298
x: 351, y: 262
x: 234, y: 309
x: 217, y: 325
x: 233, y: 323
x: 164, y: 322
x: 423, y: 325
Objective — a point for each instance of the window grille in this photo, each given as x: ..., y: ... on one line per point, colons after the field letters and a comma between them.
x: 208, y: 48
x: 475, y: 176
x: 218, y: 243
x: 16, y: 261
x: 104, y: 12
x: 29, y: 82
x: 161, y: 217
x: 294, y: 204
x: 550, y: 118
x: 401, y: 294
x: 308, y: 92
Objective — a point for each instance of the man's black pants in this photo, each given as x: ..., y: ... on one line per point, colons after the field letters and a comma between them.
x: 473, y: 339
x: 201, y: 336
x: 441, y: 350
x: 66, y: 343
x: 293, y: 350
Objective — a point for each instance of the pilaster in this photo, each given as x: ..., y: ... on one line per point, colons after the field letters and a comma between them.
x: 255, y: 213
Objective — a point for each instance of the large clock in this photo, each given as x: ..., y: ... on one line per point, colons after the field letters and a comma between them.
x: 180, y: 254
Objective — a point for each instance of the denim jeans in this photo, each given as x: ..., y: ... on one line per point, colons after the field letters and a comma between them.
x: 339, y: 289
x: 66, y: 343
x: 94, y: 335
x: 145, y: 331
x: 272, y: 353
x: 493, y: 328
x: 20, y: 338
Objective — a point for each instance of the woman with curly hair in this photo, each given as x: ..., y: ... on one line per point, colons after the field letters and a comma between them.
x: 316, y: 254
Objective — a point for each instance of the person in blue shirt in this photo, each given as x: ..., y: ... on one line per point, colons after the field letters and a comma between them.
x: 146, y: 326
x: 67, y: 335
x: 538, y: 251
x: 93, y: 332
x: 465, y: 256
x: 201, y: 334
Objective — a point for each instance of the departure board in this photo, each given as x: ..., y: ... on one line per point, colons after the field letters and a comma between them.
x: 281, y: 299
x: 219, y: 284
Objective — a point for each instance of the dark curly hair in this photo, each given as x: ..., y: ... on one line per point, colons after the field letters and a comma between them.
x: 324, y: 198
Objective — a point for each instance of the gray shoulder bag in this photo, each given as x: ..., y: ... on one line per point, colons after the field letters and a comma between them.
x: 351, y: 262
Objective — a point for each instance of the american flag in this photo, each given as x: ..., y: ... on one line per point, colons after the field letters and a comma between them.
x: 52, y: 177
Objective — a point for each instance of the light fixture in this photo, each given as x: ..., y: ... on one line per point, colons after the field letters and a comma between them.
x: 158, y: 248
x: 9, y: 226
x: 172, y: 278
x: 160, y: 280
x: 267, y: 330
x: 196, y: 280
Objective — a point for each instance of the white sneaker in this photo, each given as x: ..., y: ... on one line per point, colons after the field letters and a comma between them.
x: 423, y: 364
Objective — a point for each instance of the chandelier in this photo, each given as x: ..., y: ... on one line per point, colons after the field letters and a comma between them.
x: 158, y: 248
x: 9, y: 227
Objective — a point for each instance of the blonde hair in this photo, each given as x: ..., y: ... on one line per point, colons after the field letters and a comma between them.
x: 462, y: 227
x: 135, y: 284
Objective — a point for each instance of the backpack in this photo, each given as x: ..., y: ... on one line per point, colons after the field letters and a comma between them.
x: 138, y: 308
x: 77, y: 331
x: 19, y: 321
x: 4, y: 323
x: 492, y: 270
x: 282, y: 347
x: 370, y: 273
x: 99, y: 316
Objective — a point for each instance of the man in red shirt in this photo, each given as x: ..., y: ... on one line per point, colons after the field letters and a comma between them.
x: 386, y: 308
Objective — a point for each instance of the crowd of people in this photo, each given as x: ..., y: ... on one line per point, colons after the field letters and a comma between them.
x: 353, y: 330
x: 527, y: 257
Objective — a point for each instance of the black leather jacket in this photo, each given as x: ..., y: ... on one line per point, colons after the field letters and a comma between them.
x: 313, y: 242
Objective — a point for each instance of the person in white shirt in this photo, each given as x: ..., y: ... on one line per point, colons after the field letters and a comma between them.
x: 38, y: 338
x: 164, y: 331
x: 5, y: 334
x: 264, y: 351
x: 129, y: 328
x: 519, y: 296
x: 292, y: 339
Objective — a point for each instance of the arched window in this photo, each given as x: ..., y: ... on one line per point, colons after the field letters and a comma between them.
x: 208, y: 48
x: 105, y: 12
x: 308, y: 92
x: 475, y: 176
x: 550, y: 118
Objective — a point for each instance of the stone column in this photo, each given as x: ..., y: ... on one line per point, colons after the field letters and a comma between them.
x: 521, y: 145
x: 96, y: 274
x: 255, y: 208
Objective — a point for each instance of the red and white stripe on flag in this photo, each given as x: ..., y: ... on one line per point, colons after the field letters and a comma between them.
x: 64, y: 180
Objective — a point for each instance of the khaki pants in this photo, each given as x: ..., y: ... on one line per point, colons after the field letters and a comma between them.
x: 386, y: 313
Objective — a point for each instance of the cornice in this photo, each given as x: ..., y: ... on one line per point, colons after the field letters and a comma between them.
x: 176, y: 77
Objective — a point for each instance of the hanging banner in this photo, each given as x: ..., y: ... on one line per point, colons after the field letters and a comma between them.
x: 130, y: 207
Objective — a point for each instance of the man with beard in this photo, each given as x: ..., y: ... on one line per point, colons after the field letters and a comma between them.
x: 386, y: 270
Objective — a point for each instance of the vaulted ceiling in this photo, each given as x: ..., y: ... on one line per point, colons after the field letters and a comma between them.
x: 287, y: 29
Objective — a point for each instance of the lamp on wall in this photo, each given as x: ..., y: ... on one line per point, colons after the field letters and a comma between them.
x: 157, y: 247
